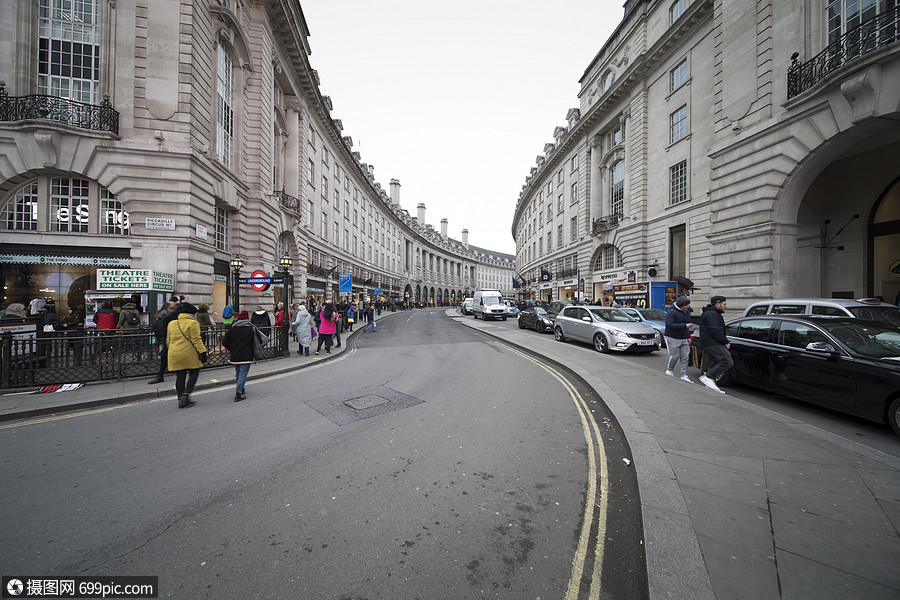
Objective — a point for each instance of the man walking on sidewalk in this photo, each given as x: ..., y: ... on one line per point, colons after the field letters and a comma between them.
x: 678, y: 325
x: 714, y: 343
x: 370, y: 317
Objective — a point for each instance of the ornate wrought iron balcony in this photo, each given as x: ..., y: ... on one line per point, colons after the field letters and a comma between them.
x: 289, y: 202
x: 605, y: 223
x: 867, y: 37
x: 58, y: 110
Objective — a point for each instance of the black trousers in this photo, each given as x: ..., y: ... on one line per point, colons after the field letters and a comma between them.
x: 185, y: 380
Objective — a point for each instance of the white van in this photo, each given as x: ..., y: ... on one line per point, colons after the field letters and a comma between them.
x: 489, y: 305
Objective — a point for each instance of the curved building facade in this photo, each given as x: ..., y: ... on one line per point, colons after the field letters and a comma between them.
x: 753, y: 174
x: 174, y: 137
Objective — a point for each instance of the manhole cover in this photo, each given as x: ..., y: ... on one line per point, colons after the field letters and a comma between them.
x: 365, y: 402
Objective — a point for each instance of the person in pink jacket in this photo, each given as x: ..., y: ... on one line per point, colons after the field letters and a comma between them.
x: 327, y: 325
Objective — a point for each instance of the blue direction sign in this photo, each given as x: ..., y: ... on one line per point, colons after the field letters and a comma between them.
x: 345, y: 283
x: 377, y: 291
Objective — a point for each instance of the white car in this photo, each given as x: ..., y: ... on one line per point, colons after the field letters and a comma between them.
x: 512, y: 309
x: 606, y: 328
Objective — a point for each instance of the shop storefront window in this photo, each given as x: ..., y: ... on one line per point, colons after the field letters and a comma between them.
x: 64, y: 205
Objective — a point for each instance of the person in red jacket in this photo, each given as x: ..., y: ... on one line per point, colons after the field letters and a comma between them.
x: 106, y: 320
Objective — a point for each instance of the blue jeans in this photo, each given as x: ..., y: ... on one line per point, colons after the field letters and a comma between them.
x: 372, y: 323
x: 241, y: 371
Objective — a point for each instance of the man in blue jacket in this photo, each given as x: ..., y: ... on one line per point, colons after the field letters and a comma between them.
x: 714, y: 343
x: 678, y: 343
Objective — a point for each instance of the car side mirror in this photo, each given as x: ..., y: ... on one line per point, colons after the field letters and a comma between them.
x: 586, y: 319
x: 820, y: 347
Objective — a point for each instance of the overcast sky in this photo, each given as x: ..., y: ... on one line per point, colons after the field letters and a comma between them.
x: 456, y: 98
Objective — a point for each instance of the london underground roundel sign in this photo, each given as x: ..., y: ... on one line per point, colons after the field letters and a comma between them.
x: 259, y: 281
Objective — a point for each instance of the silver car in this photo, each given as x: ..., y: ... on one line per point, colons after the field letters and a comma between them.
x: 606, y: 328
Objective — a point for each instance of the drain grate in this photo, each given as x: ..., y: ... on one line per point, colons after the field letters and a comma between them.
x: 365, y: 402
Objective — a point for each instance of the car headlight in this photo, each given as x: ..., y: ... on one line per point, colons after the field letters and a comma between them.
x: 615, y: 331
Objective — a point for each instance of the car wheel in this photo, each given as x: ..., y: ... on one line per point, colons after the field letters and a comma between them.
x: 504, y: 317
x: 600, y: 343
x: 558, y: 334
x: 521, y: 324
x: 894, y: 415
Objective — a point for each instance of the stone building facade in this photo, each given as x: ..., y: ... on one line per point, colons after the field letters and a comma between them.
x: 748, y: 147
x: 174, y: 136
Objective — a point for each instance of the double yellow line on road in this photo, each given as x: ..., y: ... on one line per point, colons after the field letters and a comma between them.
x: 597, y: 466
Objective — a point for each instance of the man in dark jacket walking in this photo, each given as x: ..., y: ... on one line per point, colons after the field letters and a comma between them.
x: 239, y: 342
x: 160, y: 326
x: 714, y: 343
x: 678, y: 326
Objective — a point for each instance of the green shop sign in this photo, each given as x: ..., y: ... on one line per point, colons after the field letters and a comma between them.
x: 134, y: 279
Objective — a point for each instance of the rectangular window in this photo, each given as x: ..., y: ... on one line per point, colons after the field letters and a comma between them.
x: 324, y: 230
x: 677, y: 10
x: 69, y: 53
x: 69, y: 202
x: 559, y: 236
x: 574, y: 163
x: 679, y: 75
x: 541, y: 247
x: 549, y: 240
x: 346, y: 240
x: 560, y: 177
x: 679, y: 124
x: 677, y: 252
x: 549, y: 187
x: 561, y: 203
x: 573, y: 228
x: 325, y: 188
x: 224, y: 106
x: 337, y: 235
x: 678, y: 183
x: 221, y: 229
x: 574, y: 196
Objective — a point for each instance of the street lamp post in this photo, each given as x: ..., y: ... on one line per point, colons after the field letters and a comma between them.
x: 236, y: 265
x: 285, y: 263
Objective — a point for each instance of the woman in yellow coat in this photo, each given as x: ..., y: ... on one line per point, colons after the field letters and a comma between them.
x: 186, y: 352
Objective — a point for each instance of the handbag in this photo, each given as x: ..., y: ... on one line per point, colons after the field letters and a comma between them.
x: 259, y: 340
x: 313, y: 333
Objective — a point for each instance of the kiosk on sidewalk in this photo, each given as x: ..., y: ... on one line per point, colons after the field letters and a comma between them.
x: 118, y: 285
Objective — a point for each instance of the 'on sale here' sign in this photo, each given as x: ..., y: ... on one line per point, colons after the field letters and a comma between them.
x: 134, y: 279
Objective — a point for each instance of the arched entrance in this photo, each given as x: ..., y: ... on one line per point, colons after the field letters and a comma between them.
x: 884, y: 246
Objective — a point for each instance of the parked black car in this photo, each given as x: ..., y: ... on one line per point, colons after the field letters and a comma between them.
x: 850, y: 365
x: 538, y: 318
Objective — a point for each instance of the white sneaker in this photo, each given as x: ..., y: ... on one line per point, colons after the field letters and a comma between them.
x: 710, y: 384
x: 670, y: 373
x: 686, y: 378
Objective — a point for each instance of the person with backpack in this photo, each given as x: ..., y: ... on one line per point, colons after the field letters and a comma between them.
x: 238, y: 341
x: 129, y: 318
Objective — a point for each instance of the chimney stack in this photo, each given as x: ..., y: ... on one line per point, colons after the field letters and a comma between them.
x: 444, y: 228
x: 465, y: 238
x: 420, y: 211
x: 395, y: 191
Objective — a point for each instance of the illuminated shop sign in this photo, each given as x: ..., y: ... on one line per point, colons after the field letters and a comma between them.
x: 47, y: 259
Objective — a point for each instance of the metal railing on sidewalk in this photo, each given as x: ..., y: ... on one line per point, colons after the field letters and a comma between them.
x: 83, y: 355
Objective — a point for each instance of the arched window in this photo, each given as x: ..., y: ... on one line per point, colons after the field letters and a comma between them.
x: 64, y: 205
x: 607, y: 257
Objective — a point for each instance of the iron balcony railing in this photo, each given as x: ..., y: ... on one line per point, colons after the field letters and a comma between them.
x: 605, y: 223
x: 83, y: 355
x: 867, y: 37
x: 289, y: 202
x: 59, y: 110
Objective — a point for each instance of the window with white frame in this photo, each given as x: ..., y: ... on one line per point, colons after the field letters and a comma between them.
x: 541, y: 247
x: 224, y: 105
x: 560, y: 177
x: 69, y: 49
x: 678, y: 75
x: 325, y: 188
x: 678, y: 182
x: 221, y: 229
x: 573, y: 228
x: 617, y: 189
x: 337, y: 235
x: 574, y: 163
x: 69, y: 208
x: 309, y: 214
x: 324, y: 229
x: 573, y: 197
x: 549, y: 240
x: 559, y: 236
x: 679, y: 127
x: 678, y: 8
x: 21, y: 211
x: 113, y: 218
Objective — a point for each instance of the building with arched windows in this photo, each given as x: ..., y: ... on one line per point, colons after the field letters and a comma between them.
x: 185, y: 139
x: 754, y: 174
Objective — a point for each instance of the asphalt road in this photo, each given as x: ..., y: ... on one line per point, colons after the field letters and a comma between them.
x: 429, y: 461
x: 877, y: 436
